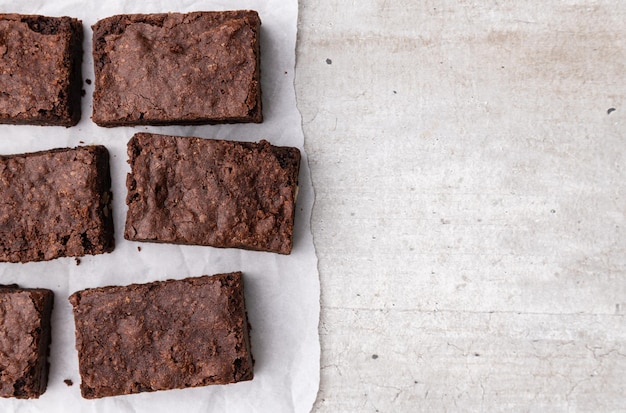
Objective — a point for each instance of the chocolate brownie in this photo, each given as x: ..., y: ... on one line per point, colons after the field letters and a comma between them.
x: 172, y: 68
x: 40, y: 69
x: 55, y: 203
x: 24, y: 341
x: 162, y: 335
x: 211, y: 192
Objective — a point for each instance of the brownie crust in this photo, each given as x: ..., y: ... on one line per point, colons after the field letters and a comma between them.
x: 55, y: 203
x: 162, y: 335
x: 40, y: 69
x: 24, y: 341
x: 177, y: 69
x: 209, y: 192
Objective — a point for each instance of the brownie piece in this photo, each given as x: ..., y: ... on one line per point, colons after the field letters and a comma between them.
x: 55, y: 203
x: 40, y: 69
x: 24, y: 341
x: 172, y: 68
x: 162, y: 335
x: 211, y: 192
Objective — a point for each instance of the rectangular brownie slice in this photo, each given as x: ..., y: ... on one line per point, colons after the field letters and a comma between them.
x: 209, y: 192
x: 40, y: 69
x: 173, y: 68
x: 24, y: 341
x: 162, y: 335
x: 55, y: 203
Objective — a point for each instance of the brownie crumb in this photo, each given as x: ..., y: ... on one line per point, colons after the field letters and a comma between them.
x: 68, y: 382
x: 139, y: 249
x: 88, y: 81
x: 77, y: 261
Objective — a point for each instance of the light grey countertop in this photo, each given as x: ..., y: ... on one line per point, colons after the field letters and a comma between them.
x: 468, y: 160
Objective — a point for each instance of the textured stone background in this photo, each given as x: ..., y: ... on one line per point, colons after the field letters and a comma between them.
x: 468, y: 159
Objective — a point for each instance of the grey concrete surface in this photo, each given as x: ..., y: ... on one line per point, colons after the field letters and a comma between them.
x: 468, y: 160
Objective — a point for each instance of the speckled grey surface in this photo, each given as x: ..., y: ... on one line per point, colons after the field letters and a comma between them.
x: 468, y: 159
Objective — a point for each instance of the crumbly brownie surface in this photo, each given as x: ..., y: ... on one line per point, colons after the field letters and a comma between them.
x: 162, y: 335
x: 40, y: 69
x: 24, y: 341
x: 173, y: 68
x: 55, y: 203
x: 211, y: 192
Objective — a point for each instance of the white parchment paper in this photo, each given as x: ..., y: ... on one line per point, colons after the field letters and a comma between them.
x: 282, y: 292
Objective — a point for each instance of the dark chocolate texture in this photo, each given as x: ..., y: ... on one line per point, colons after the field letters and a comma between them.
x: 172, y: 68
x: 40, y: 69
x: 162, y: 335
x: 211, y: 192
x: 24, y: 341
x: 55, y: 203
